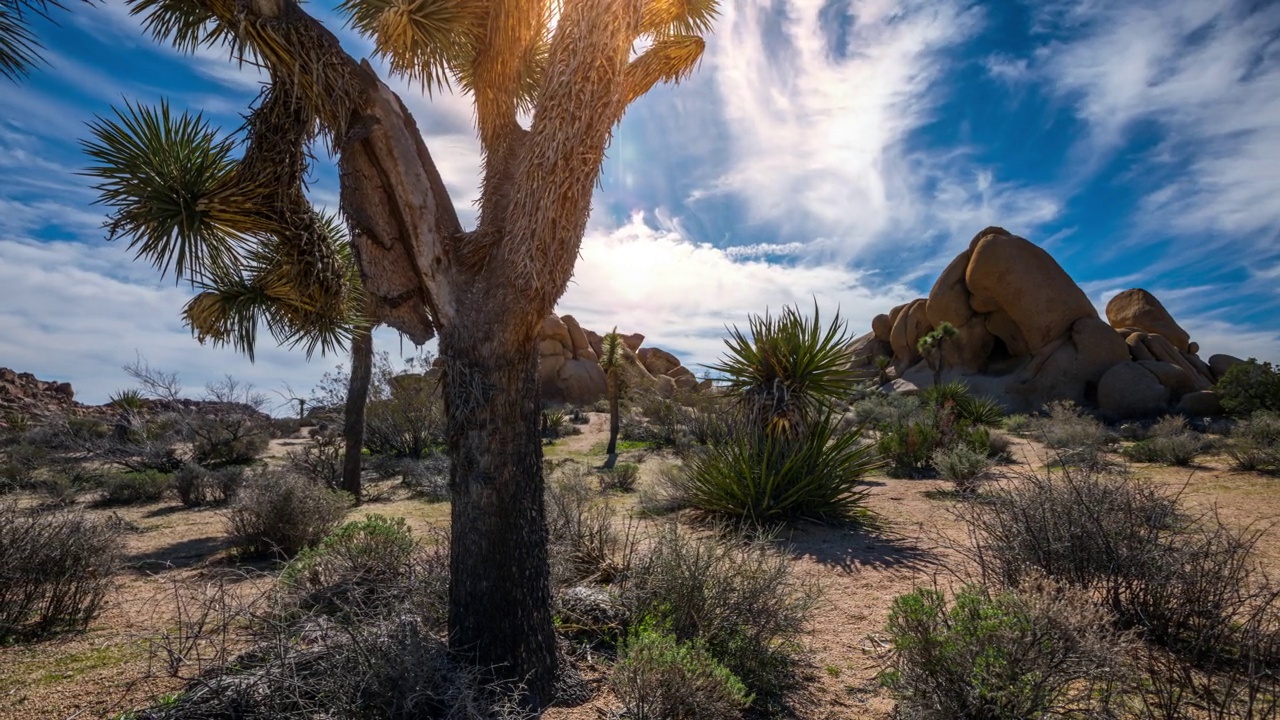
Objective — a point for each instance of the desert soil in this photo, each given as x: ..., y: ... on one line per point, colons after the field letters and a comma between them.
x: 109, y: 668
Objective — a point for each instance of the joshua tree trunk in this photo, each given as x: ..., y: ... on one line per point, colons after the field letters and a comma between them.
x: 499, y: 600
x: 353, y: 414
x: 614, y: 426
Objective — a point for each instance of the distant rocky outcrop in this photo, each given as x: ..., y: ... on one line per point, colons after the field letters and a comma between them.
x: 22, y: 393
x: 1027, y: 335
x: 569, y: 364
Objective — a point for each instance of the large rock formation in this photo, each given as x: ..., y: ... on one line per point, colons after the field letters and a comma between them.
x: 26, y: 395
x: 569, y: 364
x: 1027, y: 335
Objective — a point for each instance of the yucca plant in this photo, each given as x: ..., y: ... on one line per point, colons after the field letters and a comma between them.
x: 759, y: 478
x: 549, y: 79
x: 129, y: 399
x: 783, y: 458
x: 786, y: 369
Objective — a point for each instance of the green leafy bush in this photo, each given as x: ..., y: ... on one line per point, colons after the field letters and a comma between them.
x: 657, y: 677
x: 1249, y: 387
x: 756, y: 477
x: 740, y: 598
x: 197, y: 486
x: 55, y: 569
x: 279, y: 513
x: 1010, y: 656
x: 130, y: 488
x: 1255, y: 443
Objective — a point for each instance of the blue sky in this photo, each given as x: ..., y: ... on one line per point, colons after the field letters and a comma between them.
x: 838, y: 149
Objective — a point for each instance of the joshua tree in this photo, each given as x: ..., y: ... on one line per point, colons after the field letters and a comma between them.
x: 931, y: 347
x: 882, y: 363
x: 611, y: 360
x: 242, y: 229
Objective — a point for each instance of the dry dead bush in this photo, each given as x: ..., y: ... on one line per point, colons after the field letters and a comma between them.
x: 56, y: 568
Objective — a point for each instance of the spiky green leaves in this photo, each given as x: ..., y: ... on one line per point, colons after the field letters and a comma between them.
x: 245, y: 236
x: 426, y: 41
x: 162, y: 175
x: 19, y: 48
x: 185, y: 24
x: 611, y: 349
x: 670, y: 59
x: 787, y: 369
x: 270, y: 288
x: 664, y: 18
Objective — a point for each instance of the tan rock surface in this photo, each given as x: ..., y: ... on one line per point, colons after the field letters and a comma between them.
x: 1140, y: 309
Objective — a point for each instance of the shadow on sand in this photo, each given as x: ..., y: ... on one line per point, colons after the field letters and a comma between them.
x: 855, y: 548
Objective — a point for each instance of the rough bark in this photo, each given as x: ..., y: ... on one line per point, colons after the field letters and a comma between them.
x: 500, y: 597
x: 353, y: 415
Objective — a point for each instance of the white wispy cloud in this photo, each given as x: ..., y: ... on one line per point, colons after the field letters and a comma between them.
x: 1206, y: 73
x: 821, y: 123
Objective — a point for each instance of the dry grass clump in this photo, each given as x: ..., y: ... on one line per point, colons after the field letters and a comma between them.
x: 584, y: 543
x: 55, y: 569
x: 1076, y: 438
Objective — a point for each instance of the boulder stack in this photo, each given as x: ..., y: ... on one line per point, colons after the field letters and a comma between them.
x: 569, y: 364
x: 1027, y: 335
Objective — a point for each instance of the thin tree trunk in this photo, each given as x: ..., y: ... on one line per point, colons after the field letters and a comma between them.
x: 353, y: 415
x: 500, y: 590
x: 614, y: 427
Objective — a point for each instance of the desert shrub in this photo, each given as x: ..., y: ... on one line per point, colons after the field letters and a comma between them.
x: 555, y: 425
x: 227, y: 438
x: 20, y: 465
x: 1185, y: 581
x: 280, y: 513
x: 740, y: 598
x: 657, y: 677
x: 999, y: 446
x: 887, y: 410
x: 55, y: 569
x: 815, y: 473
x: 1020, y: 424
x: 1173, y: 450
x: 578, y: 417
x: 193, y: 485
x: 353, y: 566
x: 1040, y: 652
x: 1076, y: 439
x: 963, y: 465
x: 197, y: 486
x: 285, y: 427
x: 583, y: 542
x: 908, y: 448
x: 1255, y: 443
x: 392, y: 665
x: 621, y: 477
x: 428, y: 477
x: 321, y: 458
x: 129, y: 488
x: 1249, y: 387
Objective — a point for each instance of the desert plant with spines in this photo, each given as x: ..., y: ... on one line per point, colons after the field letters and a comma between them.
x: 239, y: 226
x: 611, y: 361
x: 931, y: 348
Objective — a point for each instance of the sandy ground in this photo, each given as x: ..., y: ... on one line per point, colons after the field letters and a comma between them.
x: 97, y: 674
